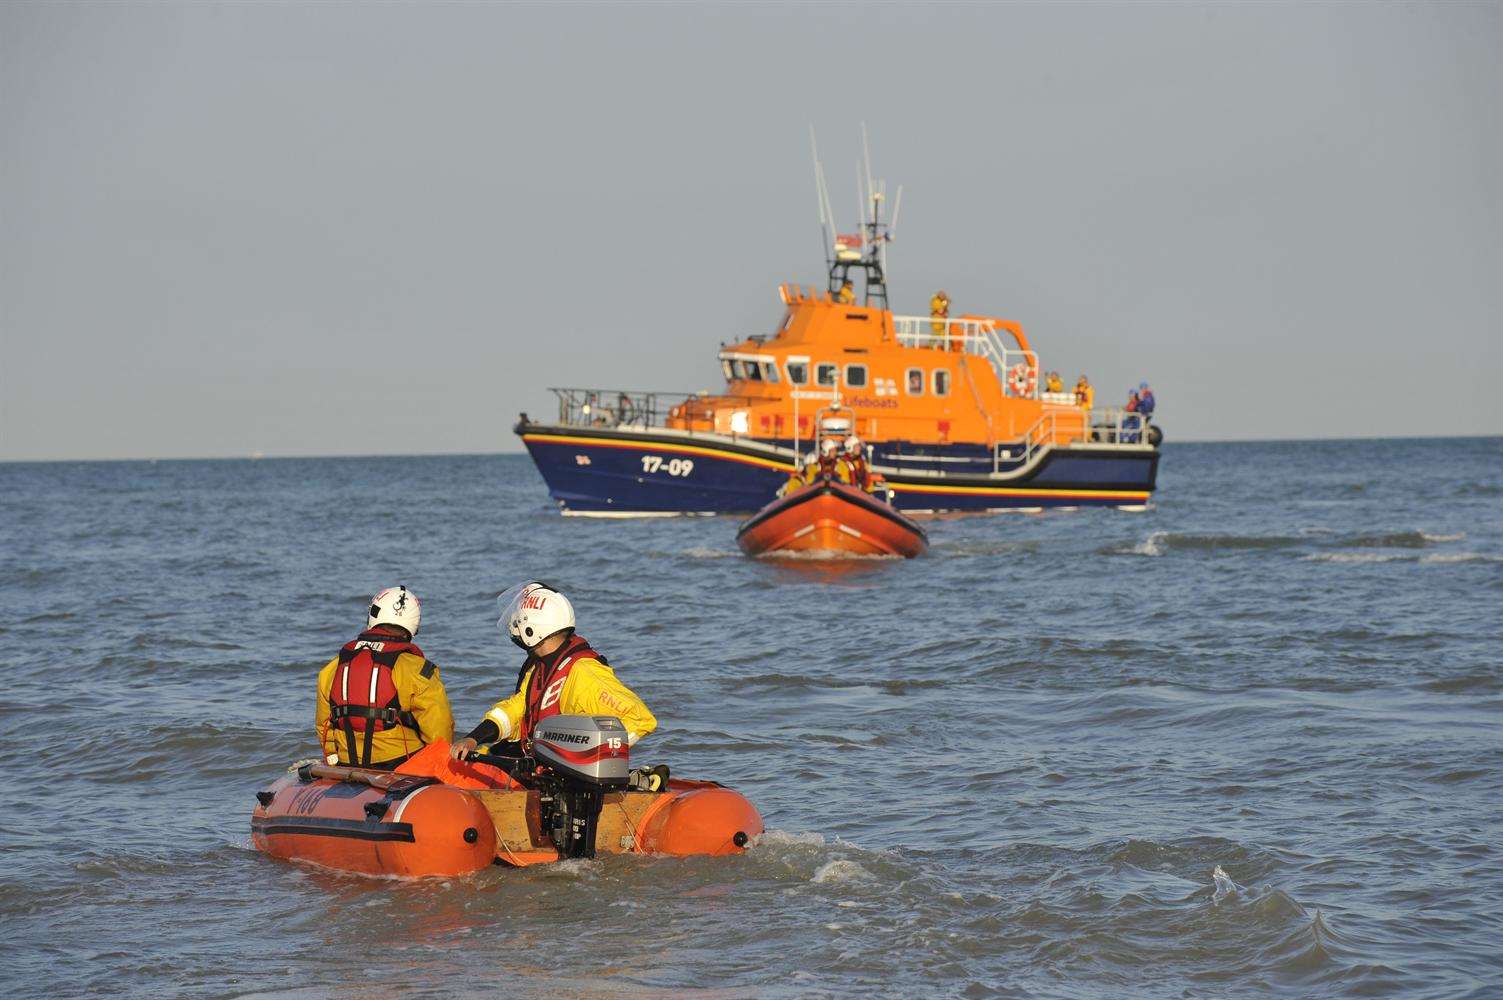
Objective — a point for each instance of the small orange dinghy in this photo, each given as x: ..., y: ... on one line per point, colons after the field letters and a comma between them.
x: 574, y: 796
x: 829, y: 516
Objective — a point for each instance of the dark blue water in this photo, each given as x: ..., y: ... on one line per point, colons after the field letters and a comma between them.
x: 1248, y: 741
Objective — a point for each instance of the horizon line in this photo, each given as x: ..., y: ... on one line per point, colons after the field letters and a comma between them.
x: 523, y: 451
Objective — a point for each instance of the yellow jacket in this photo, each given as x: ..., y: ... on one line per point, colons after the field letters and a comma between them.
x: 592, y: 689
x: 421, y: 692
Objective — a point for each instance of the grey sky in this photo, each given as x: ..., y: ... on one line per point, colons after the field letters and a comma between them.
x: 330, y: 229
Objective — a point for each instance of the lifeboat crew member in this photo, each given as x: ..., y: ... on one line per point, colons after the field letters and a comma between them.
x: 853, y: 463
x: 1145, y: 400
x: 939, y: 309
x: 562, y: 675
x: 847, y: 294
x: 380, y: 700
x: 829, y: 462
x: 801, y: 476
x: 1085, y: 393
x: 1054, y: 383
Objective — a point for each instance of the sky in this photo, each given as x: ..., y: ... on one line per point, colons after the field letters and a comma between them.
x: 318, y: 229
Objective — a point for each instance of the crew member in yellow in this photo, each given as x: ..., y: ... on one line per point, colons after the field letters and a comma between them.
x: 561, y: 676
x: 939, y: 308
x: 1054, y: 383
x: 847, y: 294
x: 380, y: 700
x: 801, y: 475
x: 829, y: 463
x: 1085, y: 393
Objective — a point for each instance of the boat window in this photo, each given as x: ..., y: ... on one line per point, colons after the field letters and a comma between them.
x: 855, y: 376
x: 941, y: 381
x: 770, y: 371
x: 824, y: 373
x: 798, y: 372
x: 915, y: 380
x: 725, y: 366
x: 753, y: 370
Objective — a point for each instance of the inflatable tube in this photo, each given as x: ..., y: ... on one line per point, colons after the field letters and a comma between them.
x: 380, y: 823
x: 373, y: 822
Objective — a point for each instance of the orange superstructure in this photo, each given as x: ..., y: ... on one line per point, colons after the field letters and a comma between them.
x: 976, y: 381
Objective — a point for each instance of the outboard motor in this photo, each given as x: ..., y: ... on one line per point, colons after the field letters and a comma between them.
x: 583, y: 756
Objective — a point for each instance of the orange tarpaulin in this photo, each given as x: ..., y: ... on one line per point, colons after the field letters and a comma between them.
x: 433, y: 762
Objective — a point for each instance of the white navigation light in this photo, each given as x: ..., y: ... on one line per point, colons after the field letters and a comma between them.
x: 739, y: 422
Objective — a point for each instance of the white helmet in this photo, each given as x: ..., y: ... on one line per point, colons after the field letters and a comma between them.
x: 531, y: 612
x: 396, y: 606
x: 853, y: 445
x: 828, y: 447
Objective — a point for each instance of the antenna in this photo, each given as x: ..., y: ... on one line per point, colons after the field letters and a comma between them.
x: 866, y: 152
x: 826, y: 220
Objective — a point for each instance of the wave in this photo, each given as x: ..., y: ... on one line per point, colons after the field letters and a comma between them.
x: 1437, y: 558
x: 1159, y: 542
x: 1396, y: 540
x: 1479, y: 683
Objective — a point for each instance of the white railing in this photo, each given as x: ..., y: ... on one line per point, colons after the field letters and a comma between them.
x: 1018, y: 371
x: 1096, y: 427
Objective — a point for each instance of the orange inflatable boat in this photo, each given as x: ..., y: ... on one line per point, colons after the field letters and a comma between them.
x: 574, y: 796
x: 829, y: 516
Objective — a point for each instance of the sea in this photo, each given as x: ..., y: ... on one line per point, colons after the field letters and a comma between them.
x: 1246, y: 742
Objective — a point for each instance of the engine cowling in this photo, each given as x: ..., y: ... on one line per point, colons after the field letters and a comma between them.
x: 588, y: 748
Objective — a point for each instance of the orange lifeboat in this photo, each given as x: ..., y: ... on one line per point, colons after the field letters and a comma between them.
x: 385, y: 823
x: 829, y: 516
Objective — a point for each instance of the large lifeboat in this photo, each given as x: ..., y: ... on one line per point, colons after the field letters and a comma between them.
x: 830, y: 516
x: 575, y: 797
x: 958, y: 407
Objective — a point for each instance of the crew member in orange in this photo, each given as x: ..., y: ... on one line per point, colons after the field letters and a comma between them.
x: 854, y: 462
x: 562, y: 675
x: 847, y: 294
x: 939, y: 309
x: 380, y: 700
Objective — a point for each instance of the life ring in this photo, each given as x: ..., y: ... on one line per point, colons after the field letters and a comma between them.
x: 1022, y: 379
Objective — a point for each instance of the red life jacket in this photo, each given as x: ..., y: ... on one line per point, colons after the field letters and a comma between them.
x: 546, y: 685
x: 363, y: 694
x: 858, y: 471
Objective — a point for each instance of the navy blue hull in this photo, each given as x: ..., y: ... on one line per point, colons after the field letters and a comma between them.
x: 602, y: 472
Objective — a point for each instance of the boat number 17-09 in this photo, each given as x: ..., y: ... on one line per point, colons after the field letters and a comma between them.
x: 674, y: 466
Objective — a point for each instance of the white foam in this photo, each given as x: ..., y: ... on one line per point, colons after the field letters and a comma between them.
x: 699, y: 552
x: 840, y: 870
x: 783, y: 838
x: 1355, y: 557
x: 1224, y: 885
x: 1459, y: 557
x: 1149, y: 546
x: 1443, y: 538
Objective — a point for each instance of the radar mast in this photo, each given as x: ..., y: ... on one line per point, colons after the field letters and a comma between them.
x: 866, y: 249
